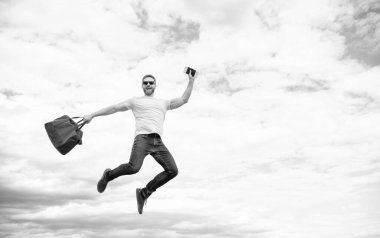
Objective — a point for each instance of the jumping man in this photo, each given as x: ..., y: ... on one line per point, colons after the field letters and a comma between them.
x: 149, y: 115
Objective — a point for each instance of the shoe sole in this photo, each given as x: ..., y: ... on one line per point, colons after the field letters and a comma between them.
x: 102, y: 178
x: 137, y: 199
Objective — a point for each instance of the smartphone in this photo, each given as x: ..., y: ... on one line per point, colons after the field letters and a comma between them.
x: 190, y: 71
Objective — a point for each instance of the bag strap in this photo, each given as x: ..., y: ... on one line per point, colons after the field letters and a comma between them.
x: 80, y: 123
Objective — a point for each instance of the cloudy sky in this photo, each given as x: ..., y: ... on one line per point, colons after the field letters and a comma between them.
x: 280, y: 138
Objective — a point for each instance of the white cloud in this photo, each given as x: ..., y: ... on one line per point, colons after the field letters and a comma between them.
x: 279, y: 138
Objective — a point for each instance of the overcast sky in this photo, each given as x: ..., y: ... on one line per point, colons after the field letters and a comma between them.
x: 280, y: 138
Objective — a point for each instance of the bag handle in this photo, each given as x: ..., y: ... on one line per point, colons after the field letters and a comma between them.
x: 80, y: 123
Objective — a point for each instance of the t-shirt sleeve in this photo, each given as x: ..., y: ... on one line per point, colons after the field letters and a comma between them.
x: 129, y: 103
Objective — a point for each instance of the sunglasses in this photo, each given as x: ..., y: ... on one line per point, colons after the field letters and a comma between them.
x: 148, y: 82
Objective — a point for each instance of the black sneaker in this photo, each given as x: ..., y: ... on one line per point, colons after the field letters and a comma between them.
x: 141, y: 201
x: 102, y: 184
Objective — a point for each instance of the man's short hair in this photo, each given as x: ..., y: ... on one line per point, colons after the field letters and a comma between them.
x: 149, y: 76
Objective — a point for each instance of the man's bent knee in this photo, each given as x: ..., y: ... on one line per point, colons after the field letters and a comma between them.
x: 134, y: 170
x: 173, y: 172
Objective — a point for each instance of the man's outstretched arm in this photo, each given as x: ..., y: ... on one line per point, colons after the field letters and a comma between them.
x: 123, y: 106
x: 177, y: 102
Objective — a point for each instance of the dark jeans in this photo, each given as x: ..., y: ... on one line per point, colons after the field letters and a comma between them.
x: 148, y: 144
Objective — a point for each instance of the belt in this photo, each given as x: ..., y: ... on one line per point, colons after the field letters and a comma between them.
x: 153, y: 135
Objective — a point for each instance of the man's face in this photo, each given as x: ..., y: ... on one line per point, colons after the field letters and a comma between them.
x: 149, y: 85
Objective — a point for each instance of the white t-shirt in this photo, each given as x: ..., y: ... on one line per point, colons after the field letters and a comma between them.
x: 149, y: 114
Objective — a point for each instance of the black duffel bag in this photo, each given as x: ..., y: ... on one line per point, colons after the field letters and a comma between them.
x: 65, y: 133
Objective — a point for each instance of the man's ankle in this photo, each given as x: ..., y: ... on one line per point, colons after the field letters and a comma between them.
x: 108, y: 175
x: 145, y: 193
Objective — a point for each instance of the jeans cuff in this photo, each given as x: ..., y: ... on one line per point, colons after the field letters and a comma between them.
x: 145, y: 193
